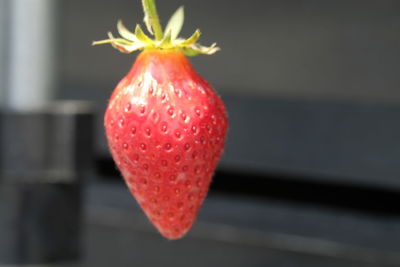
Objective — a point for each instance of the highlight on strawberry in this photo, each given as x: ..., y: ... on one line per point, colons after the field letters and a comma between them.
x: 165, y: 125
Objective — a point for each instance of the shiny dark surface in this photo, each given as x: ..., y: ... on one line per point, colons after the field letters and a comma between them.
x: 238, y: 231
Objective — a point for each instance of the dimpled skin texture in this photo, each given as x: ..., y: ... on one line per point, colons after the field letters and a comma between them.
x: 166, y: 130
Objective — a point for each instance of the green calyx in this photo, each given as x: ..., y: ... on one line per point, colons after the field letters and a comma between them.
x: 166, y: 40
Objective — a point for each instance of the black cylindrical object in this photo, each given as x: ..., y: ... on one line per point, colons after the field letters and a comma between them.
x: 44, y: 155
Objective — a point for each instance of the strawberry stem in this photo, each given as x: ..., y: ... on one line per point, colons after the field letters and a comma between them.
x: 151, y: 19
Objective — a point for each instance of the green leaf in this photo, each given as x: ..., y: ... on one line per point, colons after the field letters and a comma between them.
x: 191, y: 52
x: 147, y: 10
x: 112, y: 40
x: 147, y: 22
x: 192, y: 39
x: 175, y: 23
x: 167, y: 41
x: 197, y: 49
x: 141, y: 36
x: 124, y: 32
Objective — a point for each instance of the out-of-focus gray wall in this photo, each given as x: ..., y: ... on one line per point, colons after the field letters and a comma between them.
x: 4, y: 35
x: 309, y: 49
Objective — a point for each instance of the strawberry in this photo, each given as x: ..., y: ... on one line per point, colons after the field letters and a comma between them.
x: 165, y: 125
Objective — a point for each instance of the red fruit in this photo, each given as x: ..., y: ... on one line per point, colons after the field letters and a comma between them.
x: 166, y: 129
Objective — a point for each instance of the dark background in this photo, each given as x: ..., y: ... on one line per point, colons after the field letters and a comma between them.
x: 342, y: 50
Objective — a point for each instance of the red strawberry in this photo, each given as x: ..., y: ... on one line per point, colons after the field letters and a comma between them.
x: 165, y: 126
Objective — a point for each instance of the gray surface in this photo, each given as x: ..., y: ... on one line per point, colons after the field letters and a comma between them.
x: 40, y: 223
x: 231, y: 231
x: 125, y: 248
x: 54, y: 144
x: 331, y: 141
x: 238, y: 232
x: 43, y: 158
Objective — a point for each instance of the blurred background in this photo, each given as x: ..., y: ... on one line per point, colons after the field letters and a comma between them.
x: 311, y: 173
